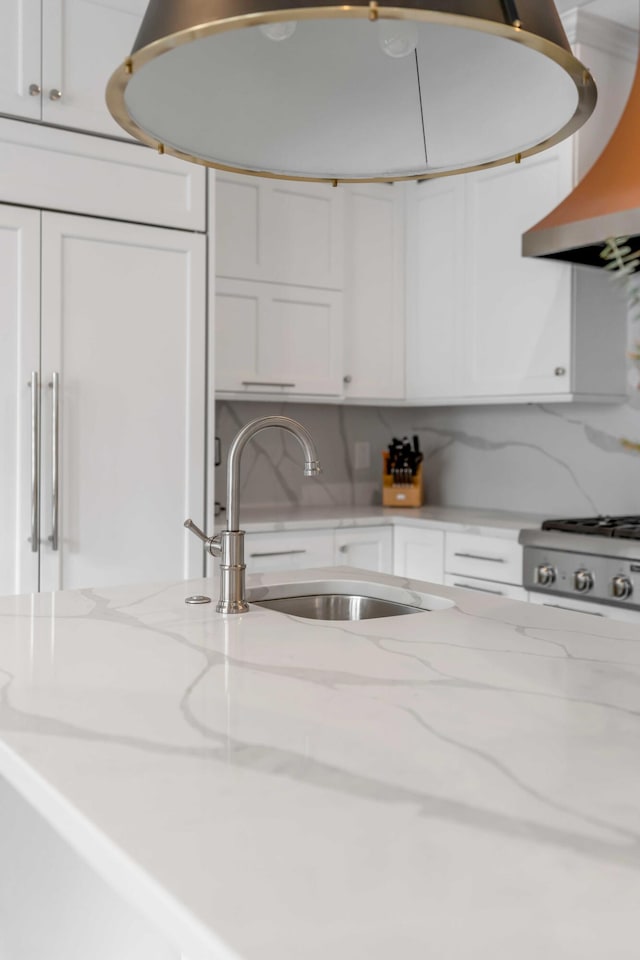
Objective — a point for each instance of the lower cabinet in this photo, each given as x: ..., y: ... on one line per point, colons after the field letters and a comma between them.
x: 583, y: 606
x: 288, y: 550
x: 418, y: 554
x: 507, y: 590
x: 370, y: 548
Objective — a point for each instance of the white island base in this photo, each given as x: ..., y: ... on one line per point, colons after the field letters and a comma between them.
x: 458, y: 784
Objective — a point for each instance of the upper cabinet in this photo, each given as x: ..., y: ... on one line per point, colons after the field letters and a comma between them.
x: 279, y: 231
x: 56, y: 57
x: 374, y: 292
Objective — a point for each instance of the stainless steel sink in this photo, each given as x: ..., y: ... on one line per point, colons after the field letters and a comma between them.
x: 339, y: 606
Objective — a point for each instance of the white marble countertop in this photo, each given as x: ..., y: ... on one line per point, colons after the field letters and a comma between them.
x: 496, y: 523
x: 459, y: 785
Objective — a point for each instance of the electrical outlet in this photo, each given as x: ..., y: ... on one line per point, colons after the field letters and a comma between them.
x: 361, y: 455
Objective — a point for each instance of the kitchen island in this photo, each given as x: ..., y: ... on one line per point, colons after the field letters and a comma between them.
x: 460, y: 783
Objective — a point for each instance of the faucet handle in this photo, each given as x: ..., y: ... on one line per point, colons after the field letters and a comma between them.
x: 212, y: 543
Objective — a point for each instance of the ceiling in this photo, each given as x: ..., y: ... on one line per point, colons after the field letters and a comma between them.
x: 626, y: 12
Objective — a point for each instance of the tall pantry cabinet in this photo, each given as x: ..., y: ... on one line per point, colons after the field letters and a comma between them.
x: 102, y: 362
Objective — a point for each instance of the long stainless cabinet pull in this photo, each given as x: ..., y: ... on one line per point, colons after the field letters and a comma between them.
x: 277, y: 553
x: 265, y: 383
x: 476, y: 556
x: 469, y: 586
x: 35, y: 461
x: 55, y: 471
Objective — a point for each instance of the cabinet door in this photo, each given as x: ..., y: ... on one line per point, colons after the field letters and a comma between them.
x: 517, y: 319
x: 20, y: 58
x: 436, y: 273
x: 19, y: 359
x: 272, y: 339
x: 124, y: 327
x: 374, y: 292
x: 418, y: 554
x: 278, y: 232
x: 370, y: 548
x: 82, y: 44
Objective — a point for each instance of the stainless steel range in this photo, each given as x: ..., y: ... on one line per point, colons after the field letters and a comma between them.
x: 594, y: 559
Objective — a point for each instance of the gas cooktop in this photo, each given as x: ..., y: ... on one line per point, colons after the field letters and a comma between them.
x: 628, y: 527
x: 595, y: 558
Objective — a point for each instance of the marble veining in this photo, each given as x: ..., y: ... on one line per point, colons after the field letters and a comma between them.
x: 537, y: 458
x: 458, y: 783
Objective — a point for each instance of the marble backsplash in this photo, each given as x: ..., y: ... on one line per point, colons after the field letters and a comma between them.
x: 560, y: 459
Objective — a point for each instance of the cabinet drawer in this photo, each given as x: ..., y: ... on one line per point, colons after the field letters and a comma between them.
x: 290, y: 550
x: 492, y: 587
x: 608, y: 611
x: 486, y: 558
x: 76, y: 173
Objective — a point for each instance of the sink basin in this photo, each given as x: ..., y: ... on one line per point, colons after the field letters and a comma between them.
x: 343, y: 598
x: 339, y: 606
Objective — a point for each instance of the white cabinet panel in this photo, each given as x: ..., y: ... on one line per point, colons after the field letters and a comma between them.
x: 418, y: 554
x: 124, y: 325
x: 273, y: 338
x: 56, y: 169
x: 288, y: 550
x: 507, y: 590
x: 65, y: 51
x: 370, y: 548
x: 278, y: 232
x: 435, y: 224
x: 606, y: 610
x: 20, y: 58
x: 374, y: 292
x: 487, y: 558
x: 517, y: 318
x: 19, y: 358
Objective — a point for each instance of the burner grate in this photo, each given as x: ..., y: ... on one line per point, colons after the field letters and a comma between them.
x: 627, y: 527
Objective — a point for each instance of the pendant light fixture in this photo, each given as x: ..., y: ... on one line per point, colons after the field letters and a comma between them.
x: 362, y: 91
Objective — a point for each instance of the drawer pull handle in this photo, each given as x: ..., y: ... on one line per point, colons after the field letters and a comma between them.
x: 470, y: 586
x: 276, y: 553
x: 559, y: 606
x: 476, y: 556
x: 265, y: 383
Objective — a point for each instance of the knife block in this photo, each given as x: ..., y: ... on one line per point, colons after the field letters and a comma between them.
x: 400, y: 494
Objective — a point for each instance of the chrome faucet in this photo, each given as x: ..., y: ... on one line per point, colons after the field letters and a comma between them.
x: 229, y: 545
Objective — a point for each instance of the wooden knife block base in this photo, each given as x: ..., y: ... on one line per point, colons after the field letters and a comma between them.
x: 400, y: 494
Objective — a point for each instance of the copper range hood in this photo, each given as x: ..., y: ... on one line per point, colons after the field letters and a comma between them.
x: 604, y: 205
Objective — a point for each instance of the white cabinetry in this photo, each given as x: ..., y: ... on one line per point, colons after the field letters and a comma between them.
x: 484, y: 563
x: 271, y: 338
x: 418, y: 554
x: 374, y: 292
x: 605, y: 610
x: 370, y: 548
x: 44, y: 167
x: 57, y: 56
x: 277, y: 261
x: 288, y: 550
x: 123, y: 327
x: 278, y: 231
x: 19, y: 358
x: 486, y: 324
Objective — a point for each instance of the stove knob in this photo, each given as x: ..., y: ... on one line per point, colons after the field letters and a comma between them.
x: 545, y: 575
x: 583, y: 581
x: 621, y: 587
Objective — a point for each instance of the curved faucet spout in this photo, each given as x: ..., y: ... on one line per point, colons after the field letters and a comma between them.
x: 311, y: 462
